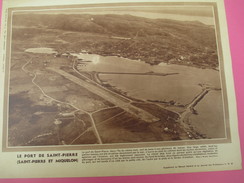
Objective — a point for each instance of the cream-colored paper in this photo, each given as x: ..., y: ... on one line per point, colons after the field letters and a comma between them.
x: 108, y: 88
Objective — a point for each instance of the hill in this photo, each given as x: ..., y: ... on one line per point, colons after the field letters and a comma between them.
x: 151, y: 40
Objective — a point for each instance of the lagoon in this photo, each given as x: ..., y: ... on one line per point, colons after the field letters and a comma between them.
x: 181, y: 88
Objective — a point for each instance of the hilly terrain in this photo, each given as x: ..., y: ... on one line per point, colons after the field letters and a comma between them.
x: 151, y: 40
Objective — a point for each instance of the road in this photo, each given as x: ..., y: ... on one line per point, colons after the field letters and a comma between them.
x: 138, y: 73
x: 96, y: 77
x: 193, y: 103
x: 188, y: 111
x: 198, y: 98
x: 109, y: 96
x: 34, y: 75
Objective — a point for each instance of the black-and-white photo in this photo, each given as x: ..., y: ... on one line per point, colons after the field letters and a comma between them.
x: 115, y: 74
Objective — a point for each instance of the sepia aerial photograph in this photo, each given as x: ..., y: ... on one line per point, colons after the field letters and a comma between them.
x: 114, y: 75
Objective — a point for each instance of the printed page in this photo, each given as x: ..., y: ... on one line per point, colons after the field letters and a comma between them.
x: 108, y: 88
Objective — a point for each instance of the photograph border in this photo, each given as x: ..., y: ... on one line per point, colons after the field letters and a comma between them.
x: 222, y: 75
